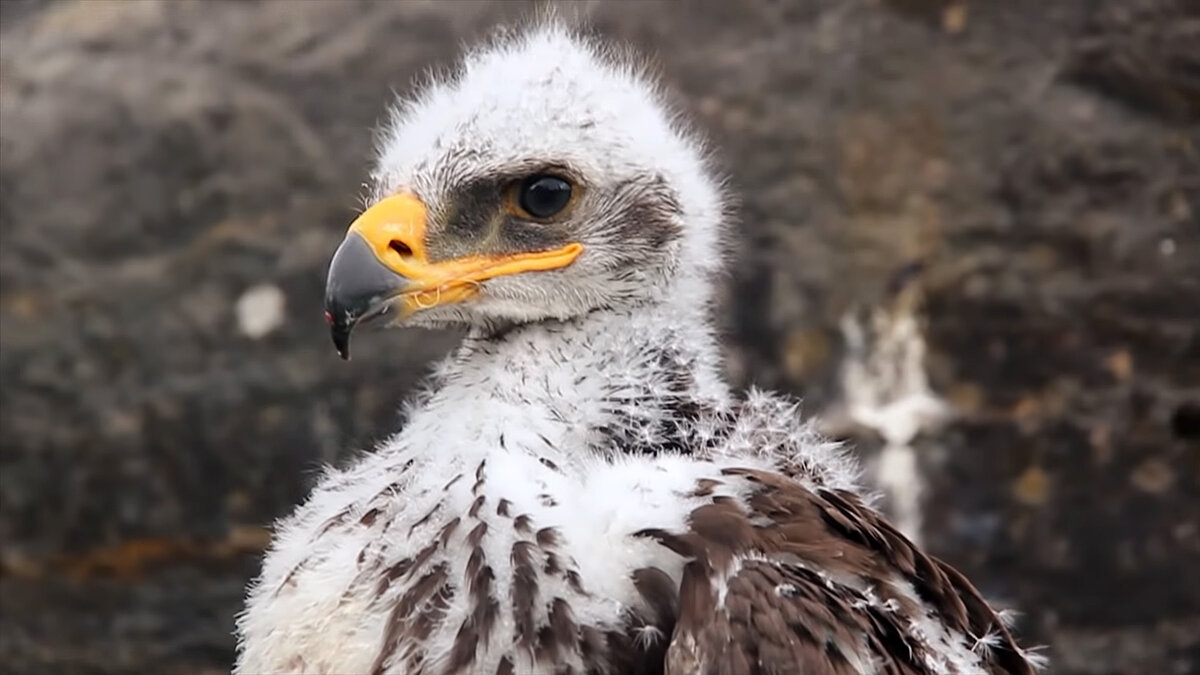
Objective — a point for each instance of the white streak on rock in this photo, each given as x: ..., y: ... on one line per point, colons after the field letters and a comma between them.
x: 886, y: 389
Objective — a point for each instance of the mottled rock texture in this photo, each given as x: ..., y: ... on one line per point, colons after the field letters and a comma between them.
x: 999, y: 199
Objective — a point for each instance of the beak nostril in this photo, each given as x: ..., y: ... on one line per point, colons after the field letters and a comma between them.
x: 401, y: 248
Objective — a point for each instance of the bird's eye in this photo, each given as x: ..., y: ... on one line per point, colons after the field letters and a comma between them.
x: 542, y: 196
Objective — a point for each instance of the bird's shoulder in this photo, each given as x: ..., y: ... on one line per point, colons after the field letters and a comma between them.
x: 790, y: 577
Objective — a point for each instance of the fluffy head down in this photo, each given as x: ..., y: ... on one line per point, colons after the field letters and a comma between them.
x: 549, y: 101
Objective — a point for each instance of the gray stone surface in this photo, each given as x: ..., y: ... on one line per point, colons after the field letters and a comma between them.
x: 1015, y: 182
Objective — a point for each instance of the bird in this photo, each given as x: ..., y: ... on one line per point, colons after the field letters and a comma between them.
x: 577, y: 489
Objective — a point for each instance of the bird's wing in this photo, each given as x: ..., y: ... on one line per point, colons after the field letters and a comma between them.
x: 790, y: 580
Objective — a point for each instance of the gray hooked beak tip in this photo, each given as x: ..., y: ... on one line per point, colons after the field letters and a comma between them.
x: 358, y: 288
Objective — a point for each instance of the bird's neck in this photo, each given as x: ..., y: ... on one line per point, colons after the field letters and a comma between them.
x: 611, y: 381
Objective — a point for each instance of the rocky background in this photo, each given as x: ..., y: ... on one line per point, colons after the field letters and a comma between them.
x: 971, y: 241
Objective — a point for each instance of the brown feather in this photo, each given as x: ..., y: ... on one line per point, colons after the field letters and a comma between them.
x: 777, y: 584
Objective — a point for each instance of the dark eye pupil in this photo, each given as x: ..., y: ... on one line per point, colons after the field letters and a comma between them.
x: 544, y: 196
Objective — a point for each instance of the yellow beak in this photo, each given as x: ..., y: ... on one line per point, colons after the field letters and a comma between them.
x: 383, y: 262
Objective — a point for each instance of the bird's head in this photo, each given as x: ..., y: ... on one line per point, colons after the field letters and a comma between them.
x: 543, y: 179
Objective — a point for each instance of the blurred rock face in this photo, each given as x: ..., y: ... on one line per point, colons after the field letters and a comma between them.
x: 968, y: 239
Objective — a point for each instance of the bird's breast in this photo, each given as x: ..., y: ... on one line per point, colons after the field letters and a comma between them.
x: 513, y: 562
